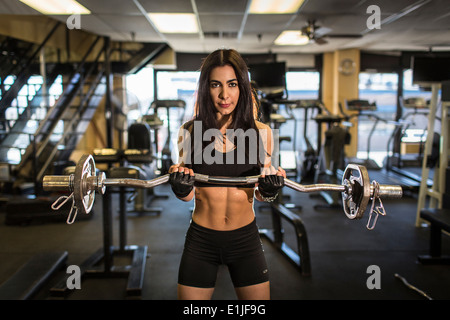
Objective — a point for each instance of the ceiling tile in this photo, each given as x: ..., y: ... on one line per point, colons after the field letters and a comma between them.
x: 221, y: 7
x: 110, y: 7
x: 224, y: 23
x: 127, y: 23
x: 166, y: 6
x: 266, y: 23
x: 119, y: 18
x: 15, y: 7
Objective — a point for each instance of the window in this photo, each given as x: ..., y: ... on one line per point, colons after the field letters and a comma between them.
x: 302, y: 85
x: 139, y: 93
x: 28, y: 96
x: 175, y: 85
x: 380, y: 88
x: 418, y: 119
x: 178, y: 85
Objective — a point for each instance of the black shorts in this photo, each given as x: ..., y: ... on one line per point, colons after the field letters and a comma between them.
x: 206, y: 249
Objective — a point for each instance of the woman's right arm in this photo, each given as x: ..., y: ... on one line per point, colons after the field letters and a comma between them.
x: 182, y: 182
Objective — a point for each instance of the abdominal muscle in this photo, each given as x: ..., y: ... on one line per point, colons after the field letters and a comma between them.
x: 223, y: 208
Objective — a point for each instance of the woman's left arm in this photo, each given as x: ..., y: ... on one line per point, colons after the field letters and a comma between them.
x: 268, y: 169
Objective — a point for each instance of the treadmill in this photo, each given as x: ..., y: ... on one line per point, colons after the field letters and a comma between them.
x: 382, y: 175
x: 408, y: 166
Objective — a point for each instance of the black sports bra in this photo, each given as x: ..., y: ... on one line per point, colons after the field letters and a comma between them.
x: 226, y: 165
x: 238, y: 162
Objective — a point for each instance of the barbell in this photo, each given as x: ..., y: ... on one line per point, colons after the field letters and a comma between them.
x: 356, y: 188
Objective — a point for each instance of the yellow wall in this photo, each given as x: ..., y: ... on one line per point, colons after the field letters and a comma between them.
x: 95, y: 136
x: 338, y: 87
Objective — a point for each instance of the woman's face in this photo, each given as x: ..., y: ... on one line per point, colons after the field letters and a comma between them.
x: 224, y: 90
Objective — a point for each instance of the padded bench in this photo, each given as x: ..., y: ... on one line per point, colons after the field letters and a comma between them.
x: 439, y: 220
x: 32, y: 276
x: 26, y: 211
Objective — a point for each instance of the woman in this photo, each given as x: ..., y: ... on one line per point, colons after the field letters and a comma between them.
x: 223, y: 228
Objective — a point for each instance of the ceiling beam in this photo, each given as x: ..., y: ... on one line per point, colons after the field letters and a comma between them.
x: 244, y: 20
x: 200, y: 31
x: 400, y: 14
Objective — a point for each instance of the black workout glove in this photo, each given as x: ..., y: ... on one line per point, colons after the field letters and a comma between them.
x: 182, y: 184
x: 269, y: 186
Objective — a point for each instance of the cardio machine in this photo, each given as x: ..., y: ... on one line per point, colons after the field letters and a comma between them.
x: 331, y: 155
x: 363, y: 108
x: 409, y: 164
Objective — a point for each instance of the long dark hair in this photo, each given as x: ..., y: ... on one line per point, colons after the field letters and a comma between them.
x: 245, y: 114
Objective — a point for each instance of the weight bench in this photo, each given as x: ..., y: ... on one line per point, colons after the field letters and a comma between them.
x: 32, y: 276
x: 439, y: 220
x: 300, y: 258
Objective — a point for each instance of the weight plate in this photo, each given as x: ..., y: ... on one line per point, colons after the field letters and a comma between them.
x: 83, y: 196
x: 357, y: 196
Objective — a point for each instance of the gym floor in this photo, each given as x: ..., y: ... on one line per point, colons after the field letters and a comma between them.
x: 341, y: 251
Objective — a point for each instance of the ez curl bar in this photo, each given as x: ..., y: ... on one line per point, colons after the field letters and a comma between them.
x: 356, y: 188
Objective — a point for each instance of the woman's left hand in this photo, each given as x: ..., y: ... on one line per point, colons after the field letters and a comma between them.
x: 271, y: 182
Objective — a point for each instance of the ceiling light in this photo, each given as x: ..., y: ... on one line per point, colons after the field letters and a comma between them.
x: 57, y: 6
x: 175, y: 22
x: 274, y: 6
x: 291, y: 38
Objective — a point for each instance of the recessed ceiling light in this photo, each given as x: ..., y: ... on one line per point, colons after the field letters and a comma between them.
x: 275, y: 6
x: 57, y: 6
x: 175, y: 22
x: 291, y: 38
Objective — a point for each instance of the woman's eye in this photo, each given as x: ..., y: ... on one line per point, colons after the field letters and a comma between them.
x: 233, y: 84
x: 215, y: 85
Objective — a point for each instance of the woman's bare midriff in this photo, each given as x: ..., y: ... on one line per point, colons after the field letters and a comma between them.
x: 223, y: 208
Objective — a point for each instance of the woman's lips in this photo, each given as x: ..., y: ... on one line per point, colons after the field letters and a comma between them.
x: 224, y: 105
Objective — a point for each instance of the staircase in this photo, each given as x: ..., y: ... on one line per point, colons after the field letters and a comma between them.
x: 42, y: 128
x: 46, y: 134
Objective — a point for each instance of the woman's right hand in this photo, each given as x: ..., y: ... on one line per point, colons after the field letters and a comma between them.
x: 181, y: 180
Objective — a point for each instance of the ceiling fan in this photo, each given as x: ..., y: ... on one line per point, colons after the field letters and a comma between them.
x: 317, y: 34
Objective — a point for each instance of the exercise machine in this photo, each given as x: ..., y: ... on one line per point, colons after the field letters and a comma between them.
x: 383, y: 175
x: 310, y: 154
x: 331, y: 155
x: 166, y: 149
x: 409, y: 164
x: 363, y: 108
x: 140, y: 154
